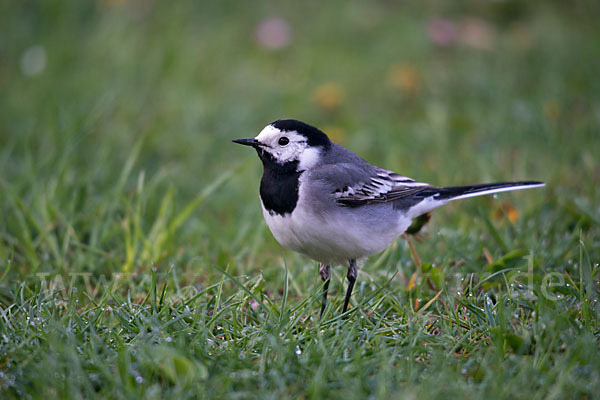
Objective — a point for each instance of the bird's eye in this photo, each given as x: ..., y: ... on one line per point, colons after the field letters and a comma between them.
x: 283, y: 141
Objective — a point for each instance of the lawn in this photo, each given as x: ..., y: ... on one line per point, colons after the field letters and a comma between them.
x: 134, y: 259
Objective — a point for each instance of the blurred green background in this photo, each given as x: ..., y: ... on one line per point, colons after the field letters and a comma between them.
x: 116, y: 120
x: 450, y: 94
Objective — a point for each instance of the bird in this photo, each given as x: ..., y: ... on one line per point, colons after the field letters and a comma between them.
x: 325, y: 202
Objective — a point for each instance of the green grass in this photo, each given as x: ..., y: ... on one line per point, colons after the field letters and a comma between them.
x: 134, y: 261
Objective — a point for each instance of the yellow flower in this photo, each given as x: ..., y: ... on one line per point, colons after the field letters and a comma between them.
x: 328, y: 96
x: 506, y: 209
x: 406, y: 78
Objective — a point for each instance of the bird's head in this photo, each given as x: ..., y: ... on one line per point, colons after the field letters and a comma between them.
x: 289, y: 141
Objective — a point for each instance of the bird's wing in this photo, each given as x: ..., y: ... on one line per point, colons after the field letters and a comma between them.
x: 352, y: 186
x: 383, y: 186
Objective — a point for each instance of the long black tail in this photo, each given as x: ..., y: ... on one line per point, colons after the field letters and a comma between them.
x: 463, y: 192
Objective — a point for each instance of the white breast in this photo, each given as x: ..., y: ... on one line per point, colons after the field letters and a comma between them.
x: 333, y: 234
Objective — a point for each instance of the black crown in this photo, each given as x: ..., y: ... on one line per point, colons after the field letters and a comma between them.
x: 314, y: 136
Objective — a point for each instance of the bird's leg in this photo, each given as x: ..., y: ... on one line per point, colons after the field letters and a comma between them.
x: 325, y: 272
x: 413, y: 251
x: 415, y: 230
x: 352, y: 273
x: 416, y: 258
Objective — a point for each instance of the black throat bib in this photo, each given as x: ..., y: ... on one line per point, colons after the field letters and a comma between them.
x: 279, y: 185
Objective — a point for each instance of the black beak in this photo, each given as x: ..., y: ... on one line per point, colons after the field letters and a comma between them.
x: 247, y: 142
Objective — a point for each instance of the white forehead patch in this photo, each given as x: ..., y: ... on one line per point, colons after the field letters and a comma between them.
x: 267, y: 134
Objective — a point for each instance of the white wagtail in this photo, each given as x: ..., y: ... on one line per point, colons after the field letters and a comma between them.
x: 327, y: 203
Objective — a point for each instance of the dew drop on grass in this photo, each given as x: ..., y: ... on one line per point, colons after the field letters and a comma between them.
x: 168, y: 339
x: 139, y: 379
x: 298, y: 351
